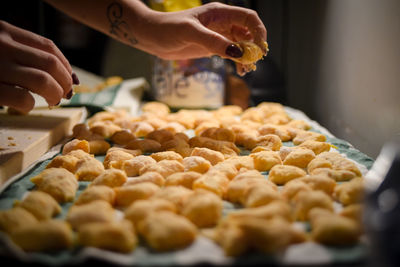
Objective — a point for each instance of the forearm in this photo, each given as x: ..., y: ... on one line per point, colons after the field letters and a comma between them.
x: 123, y: 20
x: 202, y: 31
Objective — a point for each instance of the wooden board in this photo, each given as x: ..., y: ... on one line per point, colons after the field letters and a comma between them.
x: 24, y: 139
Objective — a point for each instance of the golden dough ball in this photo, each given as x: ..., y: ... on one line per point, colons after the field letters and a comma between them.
x: 236, y: 191
x: 104, y: 128
x: 319, y: 182
x: 177, y: 195
x: 299, y: 124
x: 318, y: 163
x: 299, y: 158
x: 221, y: 134
x: 154, y: 120
x: 94, y: 211
x: 92, y: 193
x: 278, y: 130
x: 196, y: 163
x: 141, y: 128
x: 116, y: 158
x: 271, y: 141
x: 337, y: 175
x: 132, y: 166
x: 212, y: 156
x: 157, y: 108
x: 306, y: 201
x: 293, y: 187
x: 122, y: 137
x: 170, y: 155
x: 42, y: 205
x: 87, y: 169
x: 303, y: 136
x: 265, y: 160
x: 351, y: 192
x: 204, y: 125
x: 76, y: 144
x: 160, y: 136
x: 339, y: 162
x: 15, y: 218
x: 241, y: 162
x: 133, y: 152
x: 281, y: 174
x: 79, y: 154
x: 271, y: 237
x: 333, y: 230
x: 98, y: 147
x: 260, y: 195
x: 203, y: 208
x: 185, y: 179
x: 44, y: 236
x: 57, y: 182
x: 114, y: 236
x: 164, y: 167
x: 231, y: 238
x: 226, y: 168
x: 248, y: 174
x: 274, y: 209
x: 67, y: 162
x: 102, y: 116
x: 214, y: 181
x: 81, y: 131
x: 354, y: 212
x: 174, y: 127
x: 145, y: 145
x: 111, y: 178
x: 125, y: 195
x: 166, y: 231
x: 316, y: 146
x: 151, y: 177
x: 140, y: 209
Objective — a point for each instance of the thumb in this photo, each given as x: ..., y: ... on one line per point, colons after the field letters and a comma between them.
x: 215, y: 43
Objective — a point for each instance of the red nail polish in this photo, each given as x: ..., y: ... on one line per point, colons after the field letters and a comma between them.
x: 70, y: 93
x: 75, y: 79
x: 234, y: 51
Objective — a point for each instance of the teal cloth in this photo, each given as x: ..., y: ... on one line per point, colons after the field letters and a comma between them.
x: 16, y: 190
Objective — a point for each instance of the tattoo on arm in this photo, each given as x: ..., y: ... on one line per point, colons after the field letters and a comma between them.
x: 118, y: 26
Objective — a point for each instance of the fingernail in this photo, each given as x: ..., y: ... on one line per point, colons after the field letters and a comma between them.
x: 234, y: 51
x: 75, y: 79
x: 70, y: 94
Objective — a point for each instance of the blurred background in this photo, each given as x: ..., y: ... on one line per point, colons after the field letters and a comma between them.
x: 336, y: 60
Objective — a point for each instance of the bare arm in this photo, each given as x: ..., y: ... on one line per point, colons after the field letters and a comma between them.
x: 198, y: 32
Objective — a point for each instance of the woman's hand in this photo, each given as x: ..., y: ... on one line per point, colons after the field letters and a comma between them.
x: 202, y: 31
x: 31, y: 63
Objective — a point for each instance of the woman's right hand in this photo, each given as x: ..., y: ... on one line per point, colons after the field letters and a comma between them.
x: 30, y: 63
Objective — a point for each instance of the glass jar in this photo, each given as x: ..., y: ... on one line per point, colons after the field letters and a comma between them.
x: 193, y: 83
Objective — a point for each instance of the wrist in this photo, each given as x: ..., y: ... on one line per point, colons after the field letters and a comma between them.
x: 130, y: 22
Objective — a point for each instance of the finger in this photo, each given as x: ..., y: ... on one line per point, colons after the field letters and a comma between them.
x: 253, y: 23
x: 240, y: 34
x: 210, y: 40
x: 36, y: 58
x: 34, y: 40
x: 187, y: 52
x: 17, y: 98
x: 242, y: 17
x: 35, y: 80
